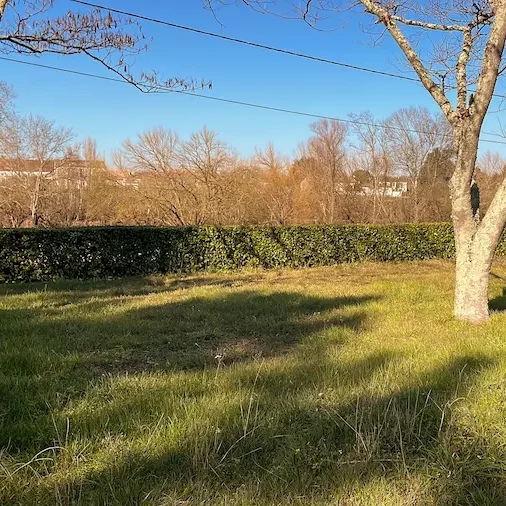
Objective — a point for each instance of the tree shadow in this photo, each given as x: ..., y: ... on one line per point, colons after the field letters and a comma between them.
x: 253, y: 404
x: 498, y: 303
x: 79, y: 290
x: 50, y: 357
x: 292, y: 449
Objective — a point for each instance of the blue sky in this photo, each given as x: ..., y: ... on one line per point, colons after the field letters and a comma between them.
x: 111, y: 112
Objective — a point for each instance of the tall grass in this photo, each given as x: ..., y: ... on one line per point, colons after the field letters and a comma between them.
x: 349, y: 385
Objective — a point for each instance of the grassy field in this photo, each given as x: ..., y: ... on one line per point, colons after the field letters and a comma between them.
x: 349, y: 385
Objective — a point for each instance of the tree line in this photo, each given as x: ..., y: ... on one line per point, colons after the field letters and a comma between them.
x: 370, y: 170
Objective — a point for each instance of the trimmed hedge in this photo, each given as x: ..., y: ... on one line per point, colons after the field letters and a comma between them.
x: 81, y: 253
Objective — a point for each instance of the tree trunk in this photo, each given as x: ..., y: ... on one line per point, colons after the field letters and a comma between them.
x: 475, y: 242
x: 416, y: 217
x: 3, y: 5
x: 471, y: 288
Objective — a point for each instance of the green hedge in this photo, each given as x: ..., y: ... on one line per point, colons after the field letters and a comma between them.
x: 80, y: 253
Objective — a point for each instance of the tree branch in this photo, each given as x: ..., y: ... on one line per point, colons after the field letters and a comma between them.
x: 413, y: 58
x: 427, y: 25
x: 462, y: 72
x: 108, y: 39
x: 3, y: 5
x: 492, y: 56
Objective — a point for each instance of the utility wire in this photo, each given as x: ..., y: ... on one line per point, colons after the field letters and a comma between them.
x: 247, y: 42
x: 166, y: 89
x: 257, y: 45
x: 68, y: 71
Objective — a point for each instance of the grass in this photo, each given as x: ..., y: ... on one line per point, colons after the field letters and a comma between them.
x: 349, y: 385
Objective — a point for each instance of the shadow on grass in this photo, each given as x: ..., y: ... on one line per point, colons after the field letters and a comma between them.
x: 50, y: 355
x: 300, y: 444
x: 223, y: 425
x: 76, y: 291
x: 498, y: 303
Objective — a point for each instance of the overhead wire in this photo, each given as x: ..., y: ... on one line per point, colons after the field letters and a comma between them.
x: 257, y: 45
x: 247, y: 42
x: 165, y: 89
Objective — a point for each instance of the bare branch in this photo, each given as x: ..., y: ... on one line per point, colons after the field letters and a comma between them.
x: 412, y: 56
x: 110, y: 39
x: 491, y: 64
x: 462, y: 72
x: 427, y: 25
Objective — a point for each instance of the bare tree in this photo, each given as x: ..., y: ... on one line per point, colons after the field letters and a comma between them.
x: 412, y: 134
x: 89, y: 150
x: 154, y: 151
x: 32, y: 149
x: 9, y: 124
x: 490, y: 171
x: 372, y: 155
x: 468, y: 40
x: 45, y: 143
x: 154, y: 157
x: 274, y: 185
x: 310, y: 203
x: 204, y: 159
x: 31, y: 27
x: 184, y: 178
x: 6, y: 96
x: 326, y: 146
x: 492, y: 162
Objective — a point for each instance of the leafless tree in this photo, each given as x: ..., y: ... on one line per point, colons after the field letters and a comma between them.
x: 371, y: 154
x: 35, y: 27
x: 89, y: 150
x: 490, y: 171
x: 9, y: 124
x: 204, y: 160
x: 326, y: 147
x: 187, y: 178
x: 466, y: 44
x: 274, y: 186
x: 412, y: 134
x: 33, y: 148
x: 45, y: 142
x: 492, y: 162
x: 155, y: 150
x: 154, y: 156
x: 6, y: 95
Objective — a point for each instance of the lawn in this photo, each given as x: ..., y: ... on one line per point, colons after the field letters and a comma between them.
x: 347, y: 385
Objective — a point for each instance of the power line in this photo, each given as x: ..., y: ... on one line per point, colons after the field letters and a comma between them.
x: 59, y: 69
x: 165, y: 89
x: 248, y: 43
x: 258, y: 45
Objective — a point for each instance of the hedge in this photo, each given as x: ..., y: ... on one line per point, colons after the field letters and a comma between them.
x: 82, y: 253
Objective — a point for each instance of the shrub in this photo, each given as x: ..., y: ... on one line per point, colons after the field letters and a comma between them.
x: 80, y: 253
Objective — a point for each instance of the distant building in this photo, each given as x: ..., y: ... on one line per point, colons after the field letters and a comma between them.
x: 10, y: 168
x: 126, y: 178
x: 389, y: 186
x: 65, y: 170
